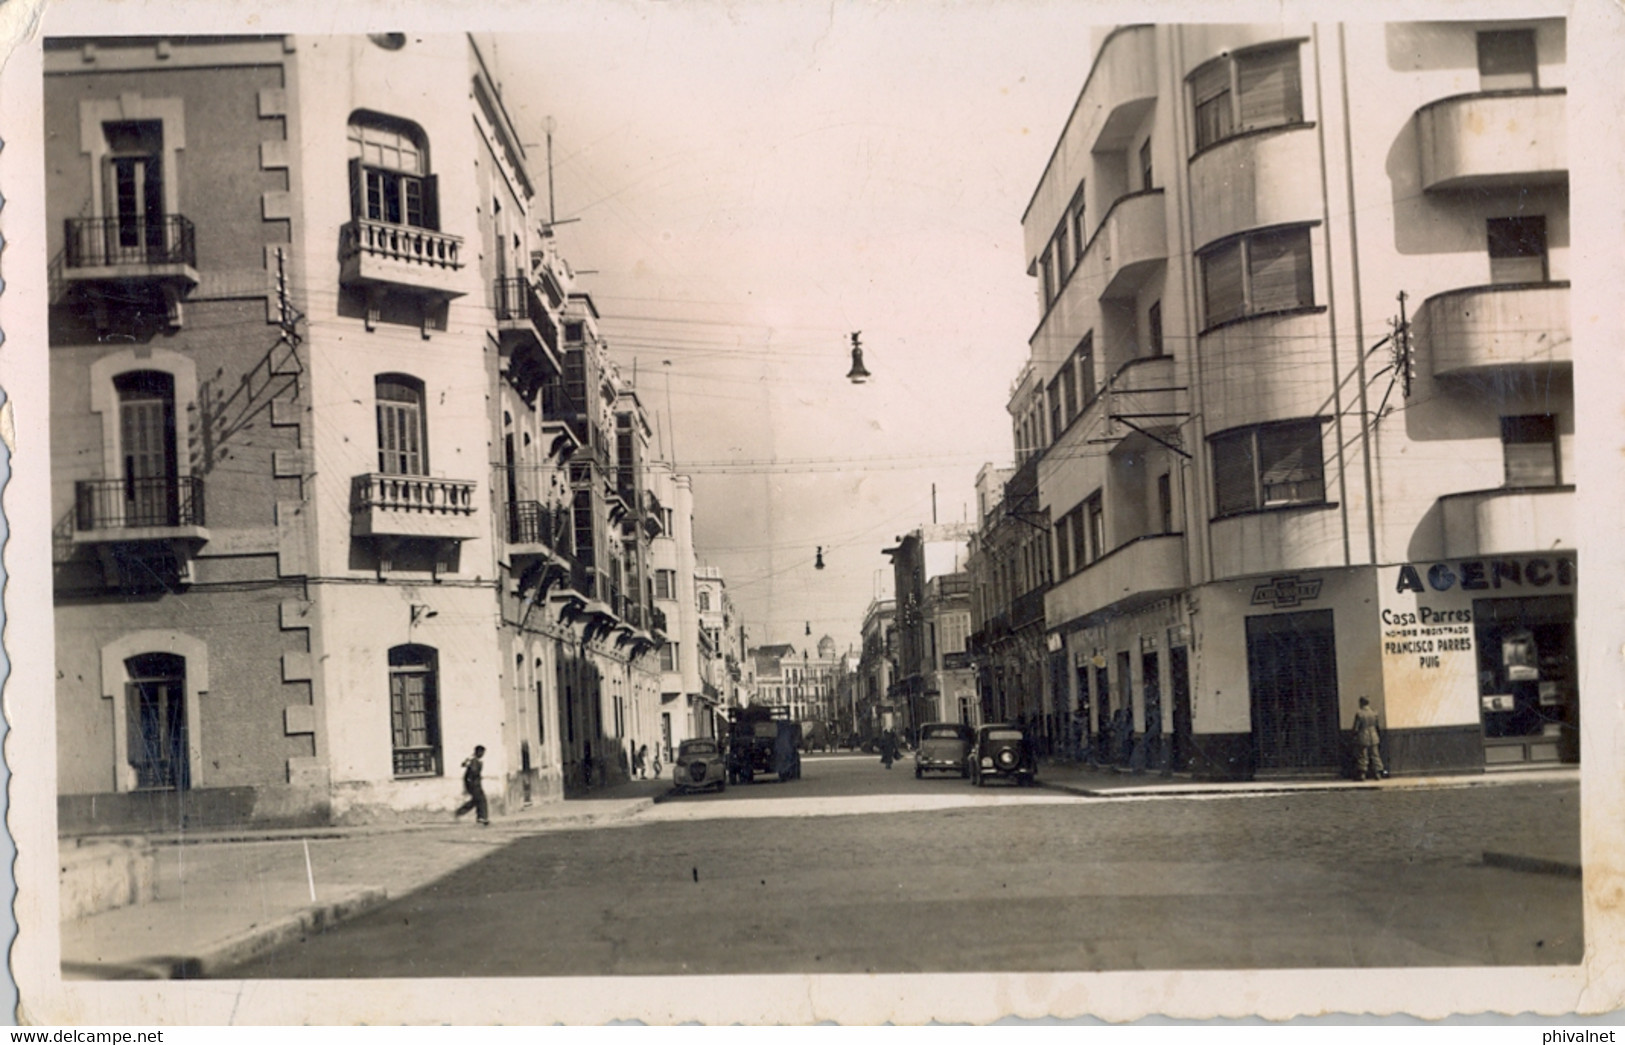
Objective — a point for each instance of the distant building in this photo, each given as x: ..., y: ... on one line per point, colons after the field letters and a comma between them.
x: 933, y: 625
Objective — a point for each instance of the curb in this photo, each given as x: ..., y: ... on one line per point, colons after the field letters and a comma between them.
x: 261, y: 938
x: 1531, y: 864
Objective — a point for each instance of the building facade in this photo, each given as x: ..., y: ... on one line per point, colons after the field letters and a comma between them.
x: 1307, y: 404
x: 334, y: 442
x: 932, y: 589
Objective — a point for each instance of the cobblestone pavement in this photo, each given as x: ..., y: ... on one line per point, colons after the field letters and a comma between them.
x: 1311, y: 879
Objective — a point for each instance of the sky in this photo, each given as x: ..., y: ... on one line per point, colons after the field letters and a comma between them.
x: 744, y: 186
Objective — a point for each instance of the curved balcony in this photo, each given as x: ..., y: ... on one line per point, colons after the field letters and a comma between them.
x: 1120, y: 90
x: 1130, y: 576
x: 1479, y: 141
x: 1130, y: 244
x: 1506, y: 325
x: 375, y: 255
x: 413, y: 506
x: 1122, y: 85
x: 1257, y: 178
x: 1507, y: 521
x: 1142, y: 391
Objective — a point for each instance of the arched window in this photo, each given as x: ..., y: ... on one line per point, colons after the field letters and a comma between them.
x: 155, y: 716
x: 389, y: 172
x: 414, y: 710
x: 403, y: 437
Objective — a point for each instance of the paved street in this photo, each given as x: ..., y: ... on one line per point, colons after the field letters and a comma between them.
x: 934, y: 875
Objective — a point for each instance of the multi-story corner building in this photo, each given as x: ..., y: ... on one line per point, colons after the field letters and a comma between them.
x: 719, y: 634
x: 877, y: 669
x: 1307, y: 404
x: 919, y: 558
x: 686, y: 708
x: 1009, y: 570
x: 331, y: 442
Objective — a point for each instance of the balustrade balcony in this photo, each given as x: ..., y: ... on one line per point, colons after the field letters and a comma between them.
x: 414, y: 506
x: 375, y: 255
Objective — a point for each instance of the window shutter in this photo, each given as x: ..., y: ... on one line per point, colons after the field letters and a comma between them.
x: 1278, y: 264
x: 1233, y: 473
x: 1210, y: 90
x: 431, y: 202
x: 1221, y: 284
x: 1289, y: 464
x: 356, y: 195
x: 1268, y: 87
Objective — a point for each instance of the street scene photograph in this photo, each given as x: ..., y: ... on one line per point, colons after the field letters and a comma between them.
x: 891, y: 500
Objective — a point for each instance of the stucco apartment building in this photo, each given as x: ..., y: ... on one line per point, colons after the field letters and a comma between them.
x: 335, y: 471
x: 1302, y: 388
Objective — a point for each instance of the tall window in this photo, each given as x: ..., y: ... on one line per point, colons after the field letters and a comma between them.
x: 1046, y: 274
x: 668, y: 657
x: 1145, y: 165
x: 1095, y: 514
x: 1506, y: 60
x: 1080, y: 233
x: 146, y: 401
x: 1257, y: 274
x: 1248, y: 91
x: 389, y: 173
x: 1056, y: 419
x: 1517, y: 249
x: 705, y: 602
x: 1165, y: 503
x: 414, y: 710
x: 155, y: 719
x: 1153, y: 329
x: 1069, y: 388
x: 1271, y: 466
x: 665, y: 584
x: 135, y: 189
x: 1529, y: 444
x: 403, y: 442
x: 1085, y: 353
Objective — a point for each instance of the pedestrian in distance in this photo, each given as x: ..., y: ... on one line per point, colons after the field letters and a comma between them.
x: 1367, y: 742
x: 888, y: 748
x: 639, y: 756
x: 473, y: 769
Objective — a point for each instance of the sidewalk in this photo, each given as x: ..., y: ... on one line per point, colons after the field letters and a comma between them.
x: 1539, y: 853
x: 225, y: 896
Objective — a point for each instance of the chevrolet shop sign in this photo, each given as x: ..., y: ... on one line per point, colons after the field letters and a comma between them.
x: 1285, y: 592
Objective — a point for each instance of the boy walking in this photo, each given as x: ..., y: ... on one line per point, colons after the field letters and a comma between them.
x: 1367, y: 742
x: 473, y: 767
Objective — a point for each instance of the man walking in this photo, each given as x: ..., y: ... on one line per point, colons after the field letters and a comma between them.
x: 473, y: 768
x: 1367, y: 743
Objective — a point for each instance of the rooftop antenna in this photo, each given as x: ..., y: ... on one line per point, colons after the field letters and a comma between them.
x: 548, y: 125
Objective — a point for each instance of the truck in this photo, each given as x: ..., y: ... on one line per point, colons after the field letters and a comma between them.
x: 762, y: 740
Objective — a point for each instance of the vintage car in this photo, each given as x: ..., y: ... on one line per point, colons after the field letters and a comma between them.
x: 1003, y: 751
x: 700, y: 764
x: 944, y: 746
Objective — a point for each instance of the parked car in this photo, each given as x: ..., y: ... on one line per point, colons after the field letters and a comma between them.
x: 1003, y: 751
x: 944, y: 747
x: 700, y: 764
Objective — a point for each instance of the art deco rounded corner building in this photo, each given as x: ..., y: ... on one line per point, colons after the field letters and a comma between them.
x: 1298, y: 413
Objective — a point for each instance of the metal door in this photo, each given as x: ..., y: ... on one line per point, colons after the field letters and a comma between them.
x: 1292, y: 677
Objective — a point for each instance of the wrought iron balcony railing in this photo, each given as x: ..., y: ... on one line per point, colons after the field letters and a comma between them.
x: 123, y: 241
x: 121, y: 504
x: 531, y: 522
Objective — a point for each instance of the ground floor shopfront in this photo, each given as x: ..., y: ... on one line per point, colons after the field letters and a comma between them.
x: 1471, y: 664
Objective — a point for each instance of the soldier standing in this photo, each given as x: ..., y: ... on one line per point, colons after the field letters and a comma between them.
x: 1367, y: 742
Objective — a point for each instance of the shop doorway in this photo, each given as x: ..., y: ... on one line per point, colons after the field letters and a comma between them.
x: 1179, y: 683
x: 1292, y: 679
x: 1528, y: 695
